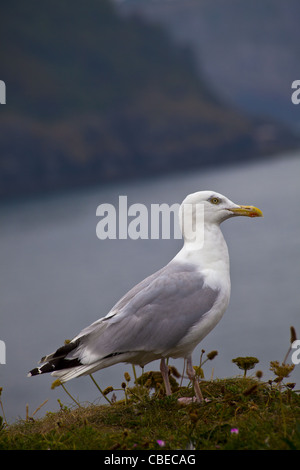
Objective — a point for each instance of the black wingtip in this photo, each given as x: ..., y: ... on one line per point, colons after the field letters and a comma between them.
x: 58, y: 360
x: 33, y: 372
x: 48, y: 367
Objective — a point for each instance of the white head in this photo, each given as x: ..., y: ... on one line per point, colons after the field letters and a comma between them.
x: 214, y: 207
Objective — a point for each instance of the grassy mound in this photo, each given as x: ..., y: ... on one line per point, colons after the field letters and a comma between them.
x: 238, y: 413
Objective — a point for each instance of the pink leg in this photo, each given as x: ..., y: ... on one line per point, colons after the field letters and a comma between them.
x: 191, y: 375
x: 165, y: 375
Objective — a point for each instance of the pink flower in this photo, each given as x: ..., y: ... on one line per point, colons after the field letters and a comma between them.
x: 234, y: 430
x: 161, y: 443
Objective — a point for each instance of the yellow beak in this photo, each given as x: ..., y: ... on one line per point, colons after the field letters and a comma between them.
x: 248, y: 211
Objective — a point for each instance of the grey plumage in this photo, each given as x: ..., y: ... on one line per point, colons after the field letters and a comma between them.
x: 145, y: 324
x: 149, y: 318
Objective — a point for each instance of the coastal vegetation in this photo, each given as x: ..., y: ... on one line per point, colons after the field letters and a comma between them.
x: 238, y: 413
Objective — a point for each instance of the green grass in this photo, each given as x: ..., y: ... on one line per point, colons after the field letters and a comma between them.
x: 238, y: 413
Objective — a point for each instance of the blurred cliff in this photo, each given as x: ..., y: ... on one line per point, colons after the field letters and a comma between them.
x: 247, y: 51
x: 94, y: 96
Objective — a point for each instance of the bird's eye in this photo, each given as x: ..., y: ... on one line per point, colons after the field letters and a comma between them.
x: 215, y: 200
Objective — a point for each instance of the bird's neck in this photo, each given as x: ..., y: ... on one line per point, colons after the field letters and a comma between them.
x: 209, y: 253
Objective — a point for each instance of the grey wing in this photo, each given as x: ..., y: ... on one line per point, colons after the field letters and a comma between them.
x: 152, y: 317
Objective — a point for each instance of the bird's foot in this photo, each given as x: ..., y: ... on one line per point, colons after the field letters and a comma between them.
x: 188, y: 400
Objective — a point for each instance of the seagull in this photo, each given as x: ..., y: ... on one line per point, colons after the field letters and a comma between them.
x: 170, y: 312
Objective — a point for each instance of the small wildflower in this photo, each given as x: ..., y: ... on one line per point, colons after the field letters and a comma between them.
x: 161, y: 443
x: 123, y: 385
x: 212, y: 354
x: 245, y: 363
x: 127, y: 377
x: 55, y: 384
x: 259, y: 374
x: 234, y: 430
x: 282, y: 370
x: 108, y: 390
